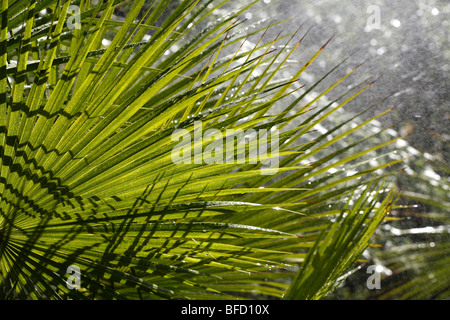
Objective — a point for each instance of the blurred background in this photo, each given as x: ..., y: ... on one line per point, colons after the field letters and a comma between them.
x: 404, y: 42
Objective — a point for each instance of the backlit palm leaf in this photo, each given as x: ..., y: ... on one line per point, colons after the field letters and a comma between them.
x: 87, y: 177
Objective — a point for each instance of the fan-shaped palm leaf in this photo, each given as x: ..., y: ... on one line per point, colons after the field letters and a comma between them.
x: 87, y: 177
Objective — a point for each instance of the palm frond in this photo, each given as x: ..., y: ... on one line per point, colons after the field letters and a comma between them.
x: 88, y: 180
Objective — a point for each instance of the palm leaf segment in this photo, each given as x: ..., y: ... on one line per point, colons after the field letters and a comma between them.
x: 87, y: 177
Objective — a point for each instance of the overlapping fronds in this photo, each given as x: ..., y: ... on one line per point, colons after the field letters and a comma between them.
x: 87, y: 116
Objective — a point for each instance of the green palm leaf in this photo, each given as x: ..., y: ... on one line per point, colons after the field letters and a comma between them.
x: 87, y: 177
